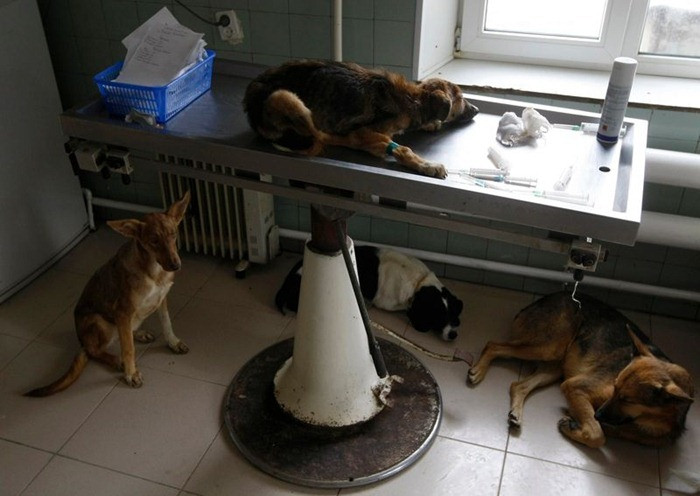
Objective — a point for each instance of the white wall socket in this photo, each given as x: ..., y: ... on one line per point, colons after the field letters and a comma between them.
x: 233, y: 33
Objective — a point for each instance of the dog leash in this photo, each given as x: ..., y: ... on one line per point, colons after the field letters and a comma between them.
x: 457, y: 356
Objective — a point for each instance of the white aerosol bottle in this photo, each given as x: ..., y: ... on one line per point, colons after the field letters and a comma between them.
x: 616, y: 99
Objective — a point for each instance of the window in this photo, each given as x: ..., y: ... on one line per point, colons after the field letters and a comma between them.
x: 663, y: 35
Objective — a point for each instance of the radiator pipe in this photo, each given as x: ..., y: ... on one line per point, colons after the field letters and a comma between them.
x: 672, y: 168
x: 522, y: 270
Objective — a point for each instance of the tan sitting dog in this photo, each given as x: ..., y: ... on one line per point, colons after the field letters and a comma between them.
x: 616, y: 382
x: 122, y: 293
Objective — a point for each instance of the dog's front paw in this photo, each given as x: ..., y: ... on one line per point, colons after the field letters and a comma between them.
x: 134, y: 380
x: 180, y: 348
x: 514, y: 419
x: 475, y: 376
x: 567, y: 425
x: 144, y: 337
x: 434, y: 169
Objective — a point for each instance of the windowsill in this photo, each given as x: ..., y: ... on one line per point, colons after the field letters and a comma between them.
x: 578, y: 84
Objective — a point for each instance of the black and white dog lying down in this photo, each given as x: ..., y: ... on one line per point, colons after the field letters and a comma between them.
x: 393, y: 281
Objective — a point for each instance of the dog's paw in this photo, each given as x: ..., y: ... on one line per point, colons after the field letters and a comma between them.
x: 135, y: 380
x: 180, y: 348
x: 475, y: 376
x: 144, y: 337
x: 434, y: 169
x: 514, y: 419
x: 567, y: 425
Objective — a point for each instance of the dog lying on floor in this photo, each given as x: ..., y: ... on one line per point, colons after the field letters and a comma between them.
x: 393, y: 281
x: 616, y: 382
x: 122, y: 293
x: 304, y: 105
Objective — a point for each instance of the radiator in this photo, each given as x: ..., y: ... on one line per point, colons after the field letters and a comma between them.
x: 224, y: 221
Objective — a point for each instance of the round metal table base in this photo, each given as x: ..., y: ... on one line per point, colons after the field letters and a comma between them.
x: 334, y: 457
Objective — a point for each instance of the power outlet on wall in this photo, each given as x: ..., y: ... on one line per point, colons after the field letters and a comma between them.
x: 230, y: 30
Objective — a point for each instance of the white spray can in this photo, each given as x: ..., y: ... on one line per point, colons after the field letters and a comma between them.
x: 616, y: 99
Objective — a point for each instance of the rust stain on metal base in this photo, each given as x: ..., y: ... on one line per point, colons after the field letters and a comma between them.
x: 316, y: 456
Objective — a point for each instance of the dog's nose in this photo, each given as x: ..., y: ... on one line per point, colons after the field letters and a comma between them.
x: 173, y: 265
x: 470, y: 111
x: 452, y: 335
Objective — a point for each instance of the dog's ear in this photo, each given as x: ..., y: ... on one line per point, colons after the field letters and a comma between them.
x: 641, y: 349
x: 131, y: 228
x: 674, y: 392
x: 436, y: 105
x: 177, y: 210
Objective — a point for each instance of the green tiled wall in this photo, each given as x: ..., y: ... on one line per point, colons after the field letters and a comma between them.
x: 84, y: 38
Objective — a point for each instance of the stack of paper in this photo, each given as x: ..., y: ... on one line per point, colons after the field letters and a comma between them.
x: 159, y: 51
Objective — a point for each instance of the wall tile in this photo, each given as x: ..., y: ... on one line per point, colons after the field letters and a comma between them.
x: 506, y: 253
x: 500, y: 280
x: 57, y: 18
x: 684, y: 257
x: 677, y: 145
x: 360, y: 227
x: 675, y: 308
x: 88, y: 19
x: 464, y: 274
x: 395, y: 10
x: 641, y: 271
x: 310, y: 7
x: 94, y: 55
x: 389, y: 232
x: 269, y: 6
x: 269, y: 33
x: 64, y: 53
x: 218, y: 5
x: 358, y: 41
x: 640, y: 251
x: 286, y: 216
x: 630, y: 301
x: 310, y: 36
x: 121, y: 18
x: 427, y: 238
x: 675, y: 125
x: 661, y: 198
x: 71, y: 87
x: 679, y: 277
x: 269, y: 60
x: 690, y: 203
x: 466, y: 246
x: 147, y: 10
x: 359, y: 9
x: 393, y: 43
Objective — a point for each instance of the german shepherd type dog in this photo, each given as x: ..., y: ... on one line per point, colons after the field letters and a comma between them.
x: 616, y: 382
x: 304, y: 105
x: 121, y: 294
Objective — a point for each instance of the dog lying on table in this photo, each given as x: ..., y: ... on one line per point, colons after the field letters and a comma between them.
x: 305, y: 105
x: 616, y: 382
x: 393, y: 281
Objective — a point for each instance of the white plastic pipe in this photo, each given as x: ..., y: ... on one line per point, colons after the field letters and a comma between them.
x: 669, y: 230
x: 338, y: 30
x: 672, y: 168
x: 520, y: 270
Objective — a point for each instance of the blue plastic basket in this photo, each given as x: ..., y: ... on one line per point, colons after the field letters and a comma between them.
x: 161, y: 101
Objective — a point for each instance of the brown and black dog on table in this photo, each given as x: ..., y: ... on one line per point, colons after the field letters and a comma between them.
x: 616, y: 382
x: 305, y: 105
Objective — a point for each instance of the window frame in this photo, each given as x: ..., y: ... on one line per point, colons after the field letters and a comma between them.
x: 621, y: 35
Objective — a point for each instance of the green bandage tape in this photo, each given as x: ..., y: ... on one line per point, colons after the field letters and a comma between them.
x: 391, y: 147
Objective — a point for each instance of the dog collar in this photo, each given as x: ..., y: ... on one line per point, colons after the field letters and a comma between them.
x: 391, y: 147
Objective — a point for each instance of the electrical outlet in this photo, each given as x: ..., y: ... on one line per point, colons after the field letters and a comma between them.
x: 233, y: 31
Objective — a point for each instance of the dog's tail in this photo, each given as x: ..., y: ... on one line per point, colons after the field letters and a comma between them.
x: 288, y: 123
x: 64, y: 381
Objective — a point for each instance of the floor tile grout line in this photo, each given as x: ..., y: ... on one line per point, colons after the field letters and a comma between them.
x: 589, y: 471
x: 36, y: 476
x: 199, y: 462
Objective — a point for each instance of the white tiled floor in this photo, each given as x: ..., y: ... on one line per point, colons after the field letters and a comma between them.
x: 101, y: 437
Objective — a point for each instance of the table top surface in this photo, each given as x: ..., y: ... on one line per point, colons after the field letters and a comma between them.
x: 214, y: 129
